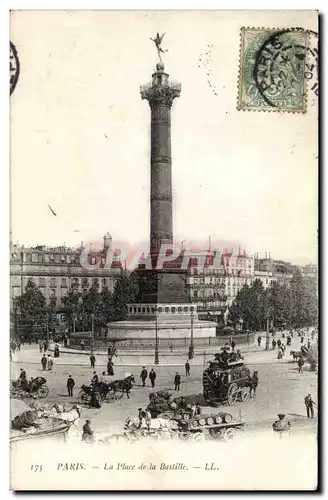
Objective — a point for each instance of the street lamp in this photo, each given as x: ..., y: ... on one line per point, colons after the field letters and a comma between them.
x: 191, y: 348
x: 156, y: 336
x: 74, y: 321
x: 92, y: 330
x: 267, y: 338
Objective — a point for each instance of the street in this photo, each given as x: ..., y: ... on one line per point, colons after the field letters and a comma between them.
x: 281, y: 388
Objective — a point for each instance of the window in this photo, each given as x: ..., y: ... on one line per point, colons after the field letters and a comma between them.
x: 57, y: 258
x: 34, y: 257
x: 63, y: 282
x: 62, y: 258
x: 42, y: 282
x: 52, y: 281
x: 85, y: 281
x: 104, y: 281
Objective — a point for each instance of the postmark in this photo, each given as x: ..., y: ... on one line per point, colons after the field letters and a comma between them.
x: 274, y: 69
x: 13, y: 68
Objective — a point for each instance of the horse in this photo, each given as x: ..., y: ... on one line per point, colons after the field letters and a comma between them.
x: 296, y: 355
x: 253, y: 383
x: 124, y: 385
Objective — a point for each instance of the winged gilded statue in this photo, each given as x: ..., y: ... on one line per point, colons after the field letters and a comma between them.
x: 158, y: 42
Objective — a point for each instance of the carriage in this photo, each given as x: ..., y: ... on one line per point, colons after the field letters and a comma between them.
x: 226, y: 383
x: 35, y: 388
x: 106, y: 392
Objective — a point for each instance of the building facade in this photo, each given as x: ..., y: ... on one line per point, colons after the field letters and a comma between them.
x: 59, y: 270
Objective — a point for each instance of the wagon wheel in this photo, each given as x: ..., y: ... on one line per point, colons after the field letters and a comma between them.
x: 229, y: 434
x: 245, y: 394
x: 83, y: 397
x: 43, y: 391
x: 233, y: 394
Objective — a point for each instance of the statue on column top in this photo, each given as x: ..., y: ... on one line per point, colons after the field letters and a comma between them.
x: 158, y: 43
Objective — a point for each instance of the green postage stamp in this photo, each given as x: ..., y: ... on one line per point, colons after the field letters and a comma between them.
x: 273, y: 69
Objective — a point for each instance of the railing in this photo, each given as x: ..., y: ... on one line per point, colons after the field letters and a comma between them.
x: 164, y: 344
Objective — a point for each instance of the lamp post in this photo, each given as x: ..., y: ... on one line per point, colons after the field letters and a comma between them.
x: 156, y: 336
x: 47, y: 329
x: 191, y: 348
x: 267, y: 338
x: 92, y: 331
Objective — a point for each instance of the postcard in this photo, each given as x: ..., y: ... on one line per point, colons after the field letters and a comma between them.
x: 163, y: 250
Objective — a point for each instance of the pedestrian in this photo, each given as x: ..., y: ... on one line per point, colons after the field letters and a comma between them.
x: 141, y: 417
x: 148, y: 419
x: 44, y: 362
x: 92, y: 360
x: 302, y: 340
x: 309, y: 403
x: 87, y: 435
x: 70, y: 385
x: 279, y: 343
x: 45, y: 346
x: 233, y: 345
x: 152, y: 376
x: 94, y: 380
x: 259, y: 340
x: 110, y: 369
x: 50, y: 362
x: 40, y: 346
x: 102, y: 378
x: 18, y: 345
x: 143, y: 376
x: 56, y: 351
x: 300, y: 363
x: 177, y: 381
x: 279, y: 353
x: 82, y: 345
x: 187, y: 367
x: 274, y: 343
x: 94, y: 399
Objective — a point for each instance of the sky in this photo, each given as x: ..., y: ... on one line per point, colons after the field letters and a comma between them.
x: 80, y: 134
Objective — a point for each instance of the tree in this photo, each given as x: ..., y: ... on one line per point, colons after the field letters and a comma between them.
x: 71, y: 305
x: 91, y: 305
x: 250, y: 306
x: 106, y: 310
x: 124, y: 294
x: 31, y: 305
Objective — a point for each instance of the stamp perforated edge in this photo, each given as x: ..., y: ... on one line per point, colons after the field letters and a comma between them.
x: 240, y: 73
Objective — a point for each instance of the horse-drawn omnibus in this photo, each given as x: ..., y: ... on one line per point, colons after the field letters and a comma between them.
x: 228, y: 382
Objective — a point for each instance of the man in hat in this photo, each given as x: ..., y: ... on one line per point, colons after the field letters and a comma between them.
x: 281, y: 424
x: 44, y: 362
x: 177, y: 381
x: 143, y: 376
x: 94, y: 380
x: 187, y: 367
x: 92, y: 360
x: 152, y: 376
x: 300, y: 363
x: 110, y: 369
x: 87, y: 435
x: 70, y: 384
x: 50, y: 362
x: 309, y: 403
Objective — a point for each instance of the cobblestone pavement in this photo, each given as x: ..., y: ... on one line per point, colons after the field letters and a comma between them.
x: 281, y: 388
